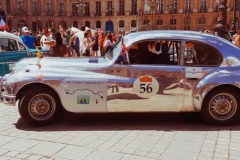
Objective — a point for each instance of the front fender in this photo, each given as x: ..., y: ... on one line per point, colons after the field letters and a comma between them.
x: 211, y: 81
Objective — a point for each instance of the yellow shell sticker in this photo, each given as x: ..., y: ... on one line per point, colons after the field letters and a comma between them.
x: 39, y: 77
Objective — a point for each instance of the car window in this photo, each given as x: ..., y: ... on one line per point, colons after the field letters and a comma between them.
x: 201, y: 54
x: 155, y: 52
x: 8, y: 44
x: 22, y: 47
x: 13, y: 45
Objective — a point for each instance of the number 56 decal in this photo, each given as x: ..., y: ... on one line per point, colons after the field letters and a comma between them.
x: 146, y: 86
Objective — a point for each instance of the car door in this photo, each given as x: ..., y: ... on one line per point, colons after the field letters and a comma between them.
x: 199, y: 59
x: 11, y: 53
x: 146, y: 86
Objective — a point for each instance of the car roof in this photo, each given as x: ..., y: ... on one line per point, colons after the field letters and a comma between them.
x: 172, y: 34
x: 9, y: 35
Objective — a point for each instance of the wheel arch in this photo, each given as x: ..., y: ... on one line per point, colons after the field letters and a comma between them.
x: 229, y: 86
x: 33, y: 85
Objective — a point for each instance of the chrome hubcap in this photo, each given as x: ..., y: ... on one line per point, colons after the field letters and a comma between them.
x: 223, y: 106
x: 41, y: 107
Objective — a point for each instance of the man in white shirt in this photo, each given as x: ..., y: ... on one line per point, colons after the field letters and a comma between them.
x: 47, y: 41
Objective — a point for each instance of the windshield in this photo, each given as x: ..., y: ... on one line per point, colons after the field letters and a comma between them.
x: 114, y: 51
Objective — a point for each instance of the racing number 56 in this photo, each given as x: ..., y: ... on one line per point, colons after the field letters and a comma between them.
x: 146, y: 88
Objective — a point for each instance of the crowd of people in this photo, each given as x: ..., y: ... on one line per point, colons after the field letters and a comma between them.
x: 235, y: 39
x: 71, y: 42
x: 84, y: 42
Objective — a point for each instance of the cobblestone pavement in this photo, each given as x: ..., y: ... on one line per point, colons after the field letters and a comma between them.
x: 117, y: 137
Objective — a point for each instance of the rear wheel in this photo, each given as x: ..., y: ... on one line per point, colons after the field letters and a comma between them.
x: 220, y: 107
x: 40, y: 106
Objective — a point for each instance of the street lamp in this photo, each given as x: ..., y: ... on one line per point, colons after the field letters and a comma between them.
x: 81, y: 5
x: 233, y: 28
x: 40, y: 19
x: 109, y: 10
x: 138, y: 18
x: 152, y: 4
x: 187, y: 21
x: 9, y: 18
x: 171, y: 7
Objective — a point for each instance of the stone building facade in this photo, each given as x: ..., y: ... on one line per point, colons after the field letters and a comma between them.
x: 114, y: 15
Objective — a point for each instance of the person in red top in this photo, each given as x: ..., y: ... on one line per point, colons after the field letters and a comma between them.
x: 114, y: 37
x: 101, y: 39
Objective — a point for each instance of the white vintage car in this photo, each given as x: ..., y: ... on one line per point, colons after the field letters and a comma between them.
x: 161, y: 71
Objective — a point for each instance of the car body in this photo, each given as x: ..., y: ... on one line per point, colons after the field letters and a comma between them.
x: 12, y: 49
x: 202, y: 74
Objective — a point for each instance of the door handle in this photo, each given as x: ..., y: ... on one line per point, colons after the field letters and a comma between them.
x: 192, y: 79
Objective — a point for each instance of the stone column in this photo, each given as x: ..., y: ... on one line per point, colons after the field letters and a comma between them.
x: 127, y: 6
x: 195, y: 6
x: 210, y: 3
x: 55, y: 8
x: 181, y: 7
x: 28, y: 7
x: 68, y: 7
x: 103, y: 7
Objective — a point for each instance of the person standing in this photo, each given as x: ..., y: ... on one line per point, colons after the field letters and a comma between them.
x: 95, y: 47
x: 77, y: 39
x: 27, y: 39
x: 237, y: 39
x: 87, y: 43
x: 47, y: 41
x: 101, y: 39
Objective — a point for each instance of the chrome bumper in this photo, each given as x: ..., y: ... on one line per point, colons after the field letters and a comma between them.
x: 8, y: 99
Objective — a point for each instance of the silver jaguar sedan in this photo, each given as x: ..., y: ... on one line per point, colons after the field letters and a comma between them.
x: 153, y: 71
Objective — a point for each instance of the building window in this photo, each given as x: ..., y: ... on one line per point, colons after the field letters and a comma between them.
x: 146, y: 21
x: 173, y: 21
x: 160, y: 6
x: 121, y: 7
x: 74, y: 9
x: 75, y: 24
x: 134, y: 7
x: 61, y: 8
x: 35, y: 7
x: 20, y: 6
x: 98, y: 8
x: 87, y: 9
x: 217, y: 5
x: 98, y: 24
x: 175, y: 7
x: 238, y: 5
x: 121, y: 24
x: 203, y: 7
x: 160, y: 22
x: 133, y: 23
x: 110, y: 8
x: 188, y: 7
x: 147, y: 7
x: 87, y: 24
x: 48, y: 8
x: 201, y: 22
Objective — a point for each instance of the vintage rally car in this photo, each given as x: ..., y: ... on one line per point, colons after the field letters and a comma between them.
x: 12, y: 49
x: 153, y: 71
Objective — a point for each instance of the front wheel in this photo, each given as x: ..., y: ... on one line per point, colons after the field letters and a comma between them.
x: 40, y: 106
x: 220, y: 107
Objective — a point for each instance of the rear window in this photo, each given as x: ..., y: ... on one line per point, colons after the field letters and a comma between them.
x: 201, y: 54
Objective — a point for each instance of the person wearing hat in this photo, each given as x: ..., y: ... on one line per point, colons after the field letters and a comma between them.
x: 28, y: 39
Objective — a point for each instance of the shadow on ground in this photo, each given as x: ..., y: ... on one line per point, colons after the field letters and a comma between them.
x: 128, y: 121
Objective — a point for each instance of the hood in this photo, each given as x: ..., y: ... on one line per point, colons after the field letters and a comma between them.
x: 85, y: 63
